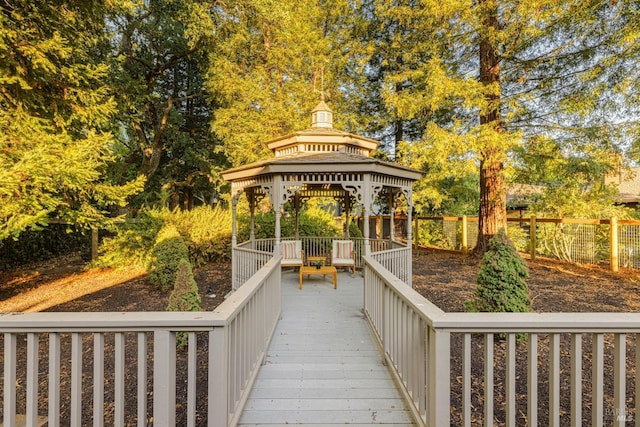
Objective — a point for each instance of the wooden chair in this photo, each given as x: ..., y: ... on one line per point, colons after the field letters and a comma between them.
x: 292, y: 253
x: 343, y: 255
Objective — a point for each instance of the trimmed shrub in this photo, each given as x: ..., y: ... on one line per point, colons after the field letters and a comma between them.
x: 165, y: 257
x: 501, y: 282
x: 184, y: 296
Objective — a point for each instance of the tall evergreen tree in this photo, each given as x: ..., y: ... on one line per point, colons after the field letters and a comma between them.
x: 511, y: 70
x: 54, y: 111
x: 161, y: 47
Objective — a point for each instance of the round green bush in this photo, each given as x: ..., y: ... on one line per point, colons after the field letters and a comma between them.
x: 165, y: 257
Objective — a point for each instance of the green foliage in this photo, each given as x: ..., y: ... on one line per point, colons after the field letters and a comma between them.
x: 158, y: 72
x: 354, y: 230
x: 205, y: 231
x: 184, y: 297
x: 501, y: 282
x: 431, y: 233
x: 268, y: 65
x: 313, y: 221
x: 132, y: 241
x: 165, y: 257
x: 55, y: 108
x: 53, y: 241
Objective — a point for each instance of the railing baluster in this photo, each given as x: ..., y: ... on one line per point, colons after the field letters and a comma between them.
x: 619, y: 379
x: 119, y: 392
x: 76, y: 380
x: 33, y: 356
x: 98, y: 379
x: 164, y: 378
x: 192, y: 354
x: 142, y: 379
x: 554, y: 380
x: 466, y: 380
x: 597, y: 376
x: 576, y: 380
x: 532, y: 383
x: 488, y: 380
x: 54, y: 380
x: 510, y: 379
x: 637, y: 381
x: 10, y: 361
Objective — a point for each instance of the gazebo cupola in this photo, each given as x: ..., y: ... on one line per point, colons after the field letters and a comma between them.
x: 322, y: 116
x: 321, y: 137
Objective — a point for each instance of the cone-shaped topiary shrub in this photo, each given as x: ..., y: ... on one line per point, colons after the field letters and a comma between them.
x: 501, y: 282
x: 184, y: 296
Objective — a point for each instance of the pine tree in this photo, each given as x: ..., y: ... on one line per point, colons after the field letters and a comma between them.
x: 501, y: 282
x: 55, y: 110
x: 504, y: 71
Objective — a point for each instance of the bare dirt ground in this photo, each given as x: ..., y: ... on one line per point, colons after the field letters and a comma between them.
x: 447, y: 279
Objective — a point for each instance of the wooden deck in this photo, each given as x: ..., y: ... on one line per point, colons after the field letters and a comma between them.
x: 323, y: 366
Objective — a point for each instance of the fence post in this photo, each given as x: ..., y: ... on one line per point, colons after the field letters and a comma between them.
x: 532, y: 237
x: 465, y: 244
x: 613, y: 239
x: 416, y: 234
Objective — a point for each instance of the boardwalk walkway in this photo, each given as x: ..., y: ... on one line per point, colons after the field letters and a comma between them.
x: 323, y: 366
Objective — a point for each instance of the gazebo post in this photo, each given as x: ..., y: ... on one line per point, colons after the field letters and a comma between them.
x: 366, y: 208
x: 252, y: 211
x: 296, y: 208
x: 277, y: 209
x: 347, y: 209
x: 234, y: 215
x: 391, y: 215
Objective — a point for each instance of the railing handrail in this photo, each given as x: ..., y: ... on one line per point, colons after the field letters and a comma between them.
x: 461, y: 322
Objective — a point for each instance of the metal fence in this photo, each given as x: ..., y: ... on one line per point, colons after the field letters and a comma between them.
x: 583, y: 241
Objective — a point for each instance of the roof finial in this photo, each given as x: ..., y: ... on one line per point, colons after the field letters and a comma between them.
x: 322, y: 116
x: 322, y: 83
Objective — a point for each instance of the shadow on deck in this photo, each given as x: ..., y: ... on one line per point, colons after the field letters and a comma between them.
x: 323, y: 366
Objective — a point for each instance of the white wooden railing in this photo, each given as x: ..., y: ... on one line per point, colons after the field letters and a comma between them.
x: 465, y: 368
x: 50, y: 355
x: 246, y: 262
x: 312, y: 246
x: 398, y: 261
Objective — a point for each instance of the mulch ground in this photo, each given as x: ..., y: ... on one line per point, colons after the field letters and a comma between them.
x: 447, y: 279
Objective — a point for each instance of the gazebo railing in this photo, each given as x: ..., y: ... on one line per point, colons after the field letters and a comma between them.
x: 50, y: 355
x: 253, y: 252
x: 247, y: 262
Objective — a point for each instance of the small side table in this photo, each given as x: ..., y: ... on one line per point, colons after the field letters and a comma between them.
x: 311, y: 260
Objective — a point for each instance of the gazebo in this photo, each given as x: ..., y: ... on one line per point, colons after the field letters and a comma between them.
x: 321, y: 161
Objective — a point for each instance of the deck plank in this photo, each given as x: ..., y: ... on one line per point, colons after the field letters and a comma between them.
x: 323, y: 366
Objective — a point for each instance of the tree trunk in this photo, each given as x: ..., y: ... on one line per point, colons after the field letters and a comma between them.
x: 493, y: 205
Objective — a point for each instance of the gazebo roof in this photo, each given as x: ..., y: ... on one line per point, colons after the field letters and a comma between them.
x: 321, y: 149
x: 330, y: 162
